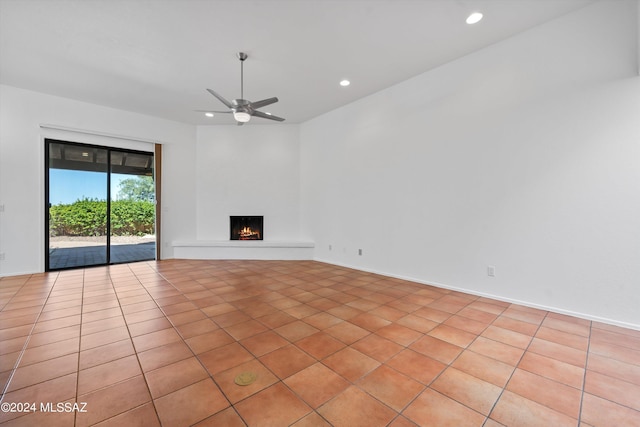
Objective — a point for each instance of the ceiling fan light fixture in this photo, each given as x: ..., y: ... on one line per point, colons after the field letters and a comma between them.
x: 474, y: 18
x: 241, y: 116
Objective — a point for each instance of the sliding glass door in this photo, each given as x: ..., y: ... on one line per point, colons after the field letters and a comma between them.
x: 100, y: 205
x: 132, y: 207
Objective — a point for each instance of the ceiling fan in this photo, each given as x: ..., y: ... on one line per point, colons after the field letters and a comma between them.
x: 241, y: 108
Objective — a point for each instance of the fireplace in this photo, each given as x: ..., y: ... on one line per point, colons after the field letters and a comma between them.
x: 246, y: 227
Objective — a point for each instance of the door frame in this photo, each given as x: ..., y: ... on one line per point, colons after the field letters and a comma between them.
x: 109, y: 149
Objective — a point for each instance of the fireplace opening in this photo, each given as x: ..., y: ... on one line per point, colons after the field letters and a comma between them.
x: 247, y: 227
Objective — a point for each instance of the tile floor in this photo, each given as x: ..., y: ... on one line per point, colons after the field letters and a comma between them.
x: 160, y: 343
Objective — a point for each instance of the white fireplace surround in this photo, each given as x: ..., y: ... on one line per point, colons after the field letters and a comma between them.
x: 243, y: 249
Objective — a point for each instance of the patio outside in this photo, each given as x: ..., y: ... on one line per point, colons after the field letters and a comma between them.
x: 100, y: 205
x: 76, y: 251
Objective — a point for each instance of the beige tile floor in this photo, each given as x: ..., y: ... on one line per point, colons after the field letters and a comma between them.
x: 160, y: 343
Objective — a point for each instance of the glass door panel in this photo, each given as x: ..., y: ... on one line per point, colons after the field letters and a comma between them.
x: 132, y: 207
x: 100, y: 205
x: 77, y: 205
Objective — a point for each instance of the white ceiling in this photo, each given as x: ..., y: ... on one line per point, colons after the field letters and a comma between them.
x: 157, y: 57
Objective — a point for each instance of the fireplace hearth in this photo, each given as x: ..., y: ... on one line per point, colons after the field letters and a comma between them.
x: 246, y: 227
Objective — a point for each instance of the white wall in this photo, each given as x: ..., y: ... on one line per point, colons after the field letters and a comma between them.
x: 525, y: 156
x: 248, y: 170
x: 22, y: 167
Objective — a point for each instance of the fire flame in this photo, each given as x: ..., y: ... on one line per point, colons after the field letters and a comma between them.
x: 248, y: 232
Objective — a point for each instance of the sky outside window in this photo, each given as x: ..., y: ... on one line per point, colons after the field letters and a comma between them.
x: 67, y: 186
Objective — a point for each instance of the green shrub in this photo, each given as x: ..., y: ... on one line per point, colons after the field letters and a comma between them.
x: 87, y: 217
x: 134, y: 218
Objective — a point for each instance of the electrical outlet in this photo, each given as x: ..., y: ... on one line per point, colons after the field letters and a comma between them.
x: 491, y: 270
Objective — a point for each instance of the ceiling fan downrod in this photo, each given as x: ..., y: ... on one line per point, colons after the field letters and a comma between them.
x: 242, y: 56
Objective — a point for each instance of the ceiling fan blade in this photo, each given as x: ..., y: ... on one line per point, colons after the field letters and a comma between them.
x: 264, y: 103
x: 267, y: 116
x: 213, y: 111
x: 221, y: 98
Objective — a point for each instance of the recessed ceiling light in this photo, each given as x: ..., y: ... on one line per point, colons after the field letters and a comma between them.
x: 474, y: 18
x: 345, y: 83
x: 208, y: 114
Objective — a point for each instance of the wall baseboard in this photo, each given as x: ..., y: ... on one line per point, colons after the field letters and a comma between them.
x: 552, y: 309
x: 24, y: 273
